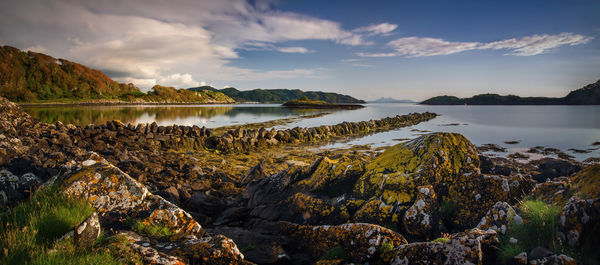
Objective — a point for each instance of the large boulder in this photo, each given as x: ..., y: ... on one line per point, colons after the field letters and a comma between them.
x: 116, y: 196
x: 579, y: 219
x: 499, y: 217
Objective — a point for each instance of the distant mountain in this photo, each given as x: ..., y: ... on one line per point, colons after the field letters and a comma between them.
x: 391, y: 100
x: 36, y: 77
x: 279, y: 95
x: 588, y: 95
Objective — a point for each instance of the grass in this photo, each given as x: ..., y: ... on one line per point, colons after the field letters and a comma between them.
x: 441, y: 240
x: 247, y: 248
x: 152, y: 230
x: 335, y: 253
x: 30, y: 230
x: 539, y: 228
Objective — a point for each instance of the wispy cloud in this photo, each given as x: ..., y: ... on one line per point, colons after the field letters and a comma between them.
x: 294, y: 50
x: 525, y: 46
x: 377, y: 29
x: 376, y: 55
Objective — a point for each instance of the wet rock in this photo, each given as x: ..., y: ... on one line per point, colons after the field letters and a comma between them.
x: 86, y: 233
x: 422, y: 217
x: 498, y: 218
x: 469, y: 247
x: 361, y: 241
x: 554, y: 260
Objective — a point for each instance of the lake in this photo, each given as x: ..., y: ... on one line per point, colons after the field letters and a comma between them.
x: 561, y: 127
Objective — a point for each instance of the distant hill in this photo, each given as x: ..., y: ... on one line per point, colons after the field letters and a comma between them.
x: 36, y: 77
x: 391, y: 100
x: 279, y: 95
x: 588, y: 95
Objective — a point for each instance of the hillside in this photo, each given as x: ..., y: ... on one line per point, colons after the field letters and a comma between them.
x: 588, y: 95
x: 279, y: 95
x: 391, y: 100
x: 30, y: 77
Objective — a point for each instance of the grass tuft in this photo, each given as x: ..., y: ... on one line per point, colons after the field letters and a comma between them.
x: 152, y: 230
x: 335, y: 253
x: 29, y: 231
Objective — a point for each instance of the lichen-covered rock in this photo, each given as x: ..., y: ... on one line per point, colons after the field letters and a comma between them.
x: 431, y: 159
x: 332, y: 177
x: 116, y: 196
x: 553, y: 191
x: 375, y: 211
x: 310, y: 210
x: 86, y: 233
x: 422, y: 217
x: 361, y: 241
x: 554, y: 260
x: 15, y: 188
x: 469, y: 247
x: 578, y: 218
x: 499, y: 217
x: 587, y: 181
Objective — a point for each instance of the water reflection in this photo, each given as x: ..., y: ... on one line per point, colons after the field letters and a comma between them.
x: 209, y: 116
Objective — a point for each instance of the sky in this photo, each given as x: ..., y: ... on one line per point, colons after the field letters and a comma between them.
x: 367, y: 49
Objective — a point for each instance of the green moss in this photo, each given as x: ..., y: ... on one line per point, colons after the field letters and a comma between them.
x: 441, y: 240
x: 247, y: 248
x: 335, y: 253
x: 29, y: 230
x: 152, y: 230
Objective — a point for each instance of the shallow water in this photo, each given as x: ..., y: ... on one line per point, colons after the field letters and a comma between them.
x: 562, y: 127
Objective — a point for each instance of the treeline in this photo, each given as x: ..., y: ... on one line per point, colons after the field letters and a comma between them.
x: 36, y: 77
x: 279, y: 95
x: 588, y: 95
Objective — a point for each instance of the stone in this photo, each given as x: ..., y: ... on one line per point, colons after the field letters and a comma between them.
x: 577, y: 219
x: 498, y: 218
x: 422, y: 217
x: 469, y: 247
x: 520, y: 259
x: 539, y: 252
x: 86, y: 233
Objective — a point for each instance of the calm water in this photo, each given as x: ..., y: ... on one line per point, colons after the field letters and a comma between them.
x: 562, y: 127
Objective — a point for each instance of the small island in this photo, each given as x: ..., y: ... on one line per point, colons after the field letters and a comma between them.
x: 305, y: 103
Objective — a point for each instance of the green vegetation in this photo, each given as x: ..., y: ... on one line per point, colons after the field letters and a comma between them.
x: 36, y: 77
x: 442, y: 240
x: 387, y: 246
x: 588, y: 95
x: 29, y: 231
x: 247, y: 248
x: 152, y: 230
x: 335, y: 253
x: 539, y: 228
x: 279, y: 95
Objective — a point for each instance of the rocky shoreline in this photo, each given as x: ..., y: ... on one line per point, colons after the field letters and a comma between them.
x: 244, y: 196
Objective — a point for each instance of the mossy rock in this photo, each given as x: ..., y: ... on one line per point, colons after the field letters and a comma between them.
x: 586, y: 182
x: 332, y: 177
x: 375, y: 211
x: 433, y: 159
x: 310, y: 210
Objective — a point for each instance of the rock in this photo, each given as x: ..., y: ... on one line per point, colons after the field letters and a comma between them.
x: 88, y: 231
x: 170, y: 194
x: 553, y: 191
x: 550, y: 168
x: 520, y: 259
x: 361, y: 241
x: 554, y: 260
x: 587, y: 181
x: 577, y: 220
x: 469, y: 247
x: 539, y: 252
x: 15, y: 188
x: 377, y: 212
x: 422, y: 217
x: 115, y: 196
x: 498, y: 218
x: 257, y: 172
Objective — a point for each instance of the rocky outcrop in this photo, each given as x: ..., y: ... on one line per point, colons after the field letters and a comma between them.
x: 578, y: 220
x: 362, y: 242
x: 499, y: 217
x: 423, y: 216
x: 469, y: 247
x: 116, y: 196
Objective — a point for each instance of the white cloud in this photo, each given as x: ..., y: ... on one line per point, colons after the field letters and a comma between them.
x: 526, y: 46
x: 149, y: 41
x: 376, y: 55
x: 362, y: 65
x: 294, y: 50
x: 377, y: 29
x: 179, y: 80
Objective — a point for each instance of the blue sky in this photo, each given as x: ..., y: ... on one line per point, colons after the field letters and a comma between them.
x: 401, y: 49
